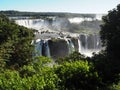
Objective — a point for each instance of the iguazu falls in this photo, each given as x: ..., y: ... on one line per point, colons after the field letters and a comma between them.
x: 59, y: 45
x: 58, y: 36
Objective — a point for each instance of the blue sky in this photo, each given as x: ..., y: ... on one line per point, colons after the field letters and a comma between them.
x: 73, y: 6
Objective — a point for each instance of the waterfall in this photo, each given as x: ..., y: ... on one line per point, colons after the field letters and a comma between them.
x: 71, y: 46
x: 42, y: 48
x: 79, y: 45
x: 86, y: 42
x: 98, y: 42
x: 38, y: 24
x: 95, y: 42
x: 89, y: 44
x: 68, y: 45
x: 38, y: 47
x: 47, y: 49
x: 52, y: 28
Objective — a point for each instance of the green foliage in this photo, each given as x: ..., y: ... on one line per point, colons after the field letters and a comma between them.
x: 102, y: 66
x: 117, y: 87
x: 10, y: 80
x: 15, y: 43
x: 110, y: 37
x: 41, y: 73
x: 18, y: 70
x: 36, y: 76
x: 77, y: 75
x: 39, y: 64
x: 75, y: 56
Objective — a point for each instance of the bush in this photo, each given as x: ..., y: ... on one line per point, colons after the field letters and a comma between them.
x: 78, y: 75
x: 30, y: 77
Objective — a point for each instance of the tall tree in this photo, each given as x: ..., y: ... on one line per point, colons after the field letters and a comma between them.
x: 110, y: 36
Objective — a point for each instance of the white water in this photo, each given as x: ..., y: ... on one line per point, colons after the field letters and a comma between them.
x: 99, y: 16
x: 79, y: 45
x: 38, y: 24
x: 47, y: 49
x: 78, y: 20
x: 70, y: 44
x: 86, y: 50
x: 38, y: 47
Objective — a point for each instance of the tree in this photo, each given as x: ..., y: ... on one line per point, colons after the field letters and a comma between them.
x: 75, y: 56
x: 15, y: 43
x: 35, y: 76
x: 77, y: 75
x: 110, y: 36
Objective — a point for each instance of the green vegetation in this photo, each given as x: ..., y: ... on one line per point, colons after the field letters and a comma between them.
x: 35, y: 76
x: 111, y: 39
x: 19, y: 70
x: 109, y: 58
x: 15, y: 43
x: 107, y: 63
x: 77, y: 75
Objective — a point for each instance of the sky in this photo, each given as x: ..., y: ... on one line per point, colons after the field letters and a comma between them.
x: 72, y: 6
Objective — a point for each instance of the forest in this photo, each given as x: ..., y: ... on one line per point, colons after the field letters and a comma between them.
x: 20, y: 70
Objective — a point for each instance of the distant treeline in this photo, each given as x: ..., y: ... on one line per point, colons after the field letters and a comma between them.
x: 12, y: 13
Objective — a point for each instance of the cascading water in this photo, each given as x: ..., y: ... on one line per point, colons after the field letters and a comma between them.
x: 89, y: 44
x: 55, y: 28
x: 86, y: 43
x: 47, y: 49
x: 42, y: 48
x: 37, y: 24
x: 79, y: 46
x: 38, y: 47
x: 70, y: 45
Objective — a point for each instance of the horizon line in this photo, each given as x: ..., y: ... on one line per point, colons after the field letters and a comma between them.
x: 55, y: 12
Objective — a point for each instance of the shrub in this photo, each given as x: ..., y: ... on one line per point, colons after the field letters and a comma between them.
x: 78, y: 75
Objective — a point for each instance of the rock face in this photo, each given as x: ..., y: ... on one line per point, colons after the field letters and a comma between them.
x: 61, y: 47
x: 58, y: 48
x: 75, y: 43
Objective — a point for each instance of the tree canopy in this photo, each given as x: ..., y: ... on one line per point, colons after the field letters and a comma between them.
x: 107, y: 62
x: 15, y: 43
x: 110, y: 36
